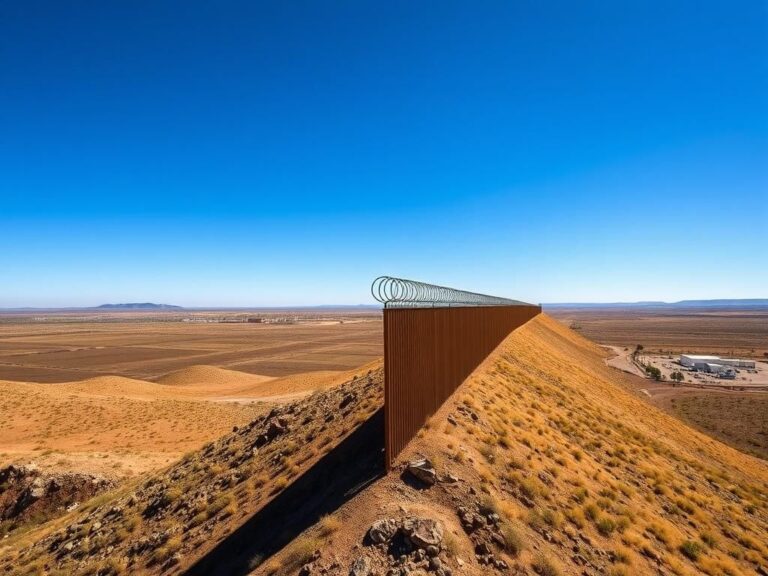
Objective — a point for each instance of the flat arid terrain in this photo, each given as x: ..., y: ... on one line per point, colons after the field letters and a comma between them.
x: 725, y: 332
x: 545, y: 461
x: 70, y: 347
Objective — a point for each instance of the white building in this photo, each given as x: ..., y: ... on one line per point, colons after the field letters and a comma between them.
x: 691, y: 360
x: 737, y: 363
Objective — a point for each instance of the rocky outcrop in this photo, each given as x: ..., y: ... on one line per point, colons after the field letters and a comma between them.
x: 28, y: 492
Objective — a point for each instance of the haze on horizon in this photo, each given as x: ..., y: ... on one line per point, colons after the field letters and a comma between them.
x: 262, y: 154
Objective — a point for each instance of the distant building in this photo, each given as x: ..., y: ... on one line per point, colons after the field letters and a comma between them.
x: 737, y: 362
x: 691, y: 361
x: 255, y: 320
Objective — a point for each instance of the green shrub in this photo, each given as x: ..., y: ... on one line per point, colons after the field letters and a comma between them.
x: 690, y: 549
x: 605, y: 526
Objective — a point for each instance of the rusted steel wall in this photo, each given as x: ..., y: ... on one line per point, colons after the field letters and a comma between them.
x: 429, y: 352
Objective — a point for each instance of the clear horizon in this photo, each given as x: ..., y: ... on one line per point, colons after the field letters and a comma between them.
x: 270, y: 155
x: 351, y: 305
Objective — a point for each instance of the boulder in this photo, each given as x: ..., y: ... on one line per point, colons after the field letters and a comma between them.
x: 423, y: 470
x: 383, y: 530
x: 423, y: 532
x: 360, y: 567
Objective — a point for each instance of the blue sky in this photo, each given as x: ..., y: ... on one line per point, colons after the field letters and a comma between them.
x: 254, y: 153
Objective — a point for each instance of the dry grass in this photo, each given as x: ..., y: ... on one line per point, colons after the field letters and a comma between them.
x: 557, y: 431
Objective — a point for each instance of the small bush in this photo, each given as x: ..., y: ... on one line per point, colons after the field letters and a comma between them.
x: 451, y: 544
x: 513, y: 542
x: 489, y: 505
x: 301, y: 550
x: 623, y: 556
x: 543, y: 566
x: 659, y: 532
x: 690, y: 549
x: 328, y: 525
x: 580, y: 495
x: 709, y: 539
x: 605, y: 526
x: 576, y: 517
x: 591, y: 511
x: 622, y: 524
x: 552, y: 518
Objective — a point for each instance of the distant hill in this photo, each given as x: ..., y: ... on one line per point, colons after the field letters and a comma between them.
x: 138, y: 306
x: 741, y: 303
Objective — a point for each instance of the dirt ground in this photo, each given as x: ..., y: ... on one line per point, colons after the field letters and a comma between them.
x: 725, y: 333
x: 64, y: 349
x: 736, y: 418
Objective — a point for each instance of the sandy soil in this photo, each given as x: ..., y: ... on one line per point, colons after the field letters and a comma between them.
x: 122, y: 427
x: 65, y: 351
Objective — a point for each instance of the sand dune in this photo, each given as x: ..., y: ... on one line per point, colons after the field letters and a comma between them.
x: 207, y: 376
x: 130, y: 425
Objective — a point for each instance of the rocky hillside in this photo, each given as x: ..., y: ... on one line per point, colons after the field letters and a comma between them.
x: 29, y: 495
x: 167, y: 521
x: 543, y: 463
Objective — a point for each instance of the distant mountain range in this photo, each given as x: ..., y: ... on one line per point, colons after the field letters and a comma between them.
x: 743, y: 303
x: 138, y: 306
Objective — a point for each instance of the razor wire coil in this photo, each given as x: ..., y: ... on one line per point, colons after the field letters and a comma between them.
x: 400, y: 293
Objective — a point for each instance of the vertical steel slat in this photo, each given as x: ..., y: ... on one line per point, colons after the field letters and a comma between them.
x: 429, y: 352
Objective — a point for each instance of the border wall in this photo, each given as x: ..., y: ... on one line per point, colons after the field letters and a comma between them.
x: 430, y: 348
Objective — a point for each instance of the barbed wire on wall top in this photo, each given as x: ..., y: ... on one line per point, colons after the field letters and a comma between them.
x: 402, y: 293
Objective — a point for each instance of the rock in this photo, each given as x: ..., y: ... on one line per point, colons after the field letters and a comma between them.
x: 423, y: 532
x: 37, y: 489
x: 360, y: 567
x: 347, y: 400
x: 423, y: 470
x: 526, y: 501
x: 383, y: 530
x: 546, y: 478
